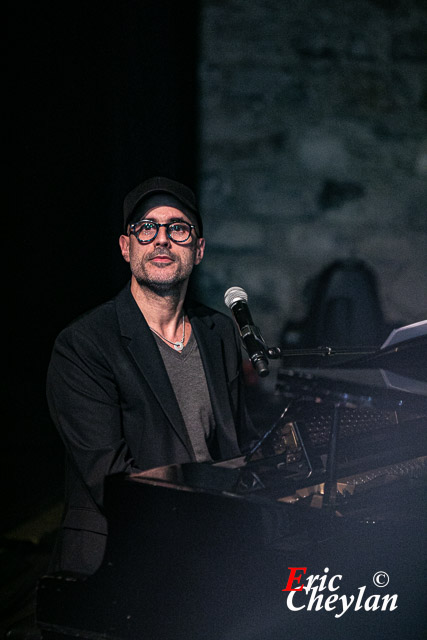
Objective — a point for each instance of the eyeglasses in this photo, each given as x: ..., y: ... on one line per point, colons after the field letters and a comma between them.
x: 146, y: 231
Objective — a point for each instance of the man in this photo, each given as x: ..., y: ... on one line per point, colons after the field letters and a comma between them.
x: 146, y: 379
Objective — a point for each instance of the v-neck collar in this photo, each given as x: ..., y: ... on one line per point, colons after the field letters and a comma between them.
x: 173, y: 353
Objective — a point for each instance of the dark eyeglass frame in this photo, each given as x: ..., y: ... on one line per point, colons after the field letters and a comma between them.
x: 135, y: 233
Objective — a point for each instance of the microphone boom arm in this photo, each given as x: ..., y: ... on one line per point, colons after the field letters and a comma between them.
x: 276, y: 352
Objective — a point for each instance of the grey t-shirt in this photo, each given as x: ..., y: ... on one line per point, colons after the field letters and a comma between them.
x: 188, y: 379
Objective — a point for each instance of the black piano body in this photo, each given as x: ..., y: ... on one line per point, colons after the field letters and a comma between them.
x: 336, y: 487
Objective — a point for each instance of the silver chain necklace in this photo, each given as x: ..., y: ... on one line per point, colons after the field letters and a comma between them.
x: 179, y: 345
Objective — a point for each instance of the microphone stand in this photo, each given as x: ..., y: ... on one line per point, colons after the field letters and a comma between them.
x: 262, y: 353
x: 276, y: 352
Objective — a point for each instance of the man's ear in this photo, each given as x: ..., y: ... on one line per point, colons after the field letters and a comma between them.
x: 124, y: 242
x: 200, y: 250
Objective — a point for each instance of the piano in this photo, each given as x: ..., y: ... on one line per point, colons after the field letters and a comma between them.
x: 335, y: 487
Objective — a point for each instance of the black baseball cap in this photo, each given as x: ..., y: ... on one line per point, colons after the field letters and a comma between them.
x: 161, y: 185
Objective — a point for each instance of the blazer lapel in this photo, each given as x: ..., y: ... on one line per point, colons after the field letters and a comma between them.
x: 213, y: 358
x: 143, y: 349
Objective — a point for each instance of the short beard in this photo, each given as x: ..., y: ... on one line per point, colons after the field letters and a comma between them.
x: 171, y: 286
x: 162, y: 289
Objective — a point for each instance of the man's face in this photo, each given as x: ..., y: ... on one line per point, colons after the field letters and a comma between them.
x: 162, y: 265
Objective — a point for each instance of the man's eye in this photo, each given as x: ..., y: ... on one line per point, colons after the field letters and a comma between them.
x: 147, y: 226
x: 178, y: 228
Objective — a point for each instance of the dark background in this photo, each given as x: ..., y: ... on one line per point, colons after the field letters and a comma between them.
x: 100, y: 97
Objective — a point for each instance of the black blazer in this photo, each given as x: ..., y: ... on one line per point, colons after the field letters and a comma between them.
x: 111, y: 400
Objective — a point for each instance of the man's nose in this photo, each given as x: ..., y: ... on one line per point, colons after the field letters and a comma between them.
x: 162, y: 237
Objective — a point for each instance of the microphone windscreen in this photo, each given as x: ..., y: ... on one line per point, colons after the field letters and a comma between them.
x: 233, y: 295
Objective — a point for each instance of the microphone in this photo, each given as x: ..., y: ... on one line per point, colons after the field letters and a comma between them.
x: 236, y: 299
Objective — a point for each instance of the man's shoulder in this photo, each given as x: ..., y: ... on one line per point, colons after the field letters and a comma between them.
x: 98, y: 319
x: 212, y: 317
x: 201, y: 310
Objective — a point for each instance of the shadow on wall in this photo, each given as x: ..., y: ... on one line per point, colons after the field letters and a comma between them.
x: 344, y: 310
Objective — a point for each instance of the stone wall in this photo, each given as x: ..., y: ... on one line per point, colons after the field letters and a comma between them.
x: 313, y: 147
